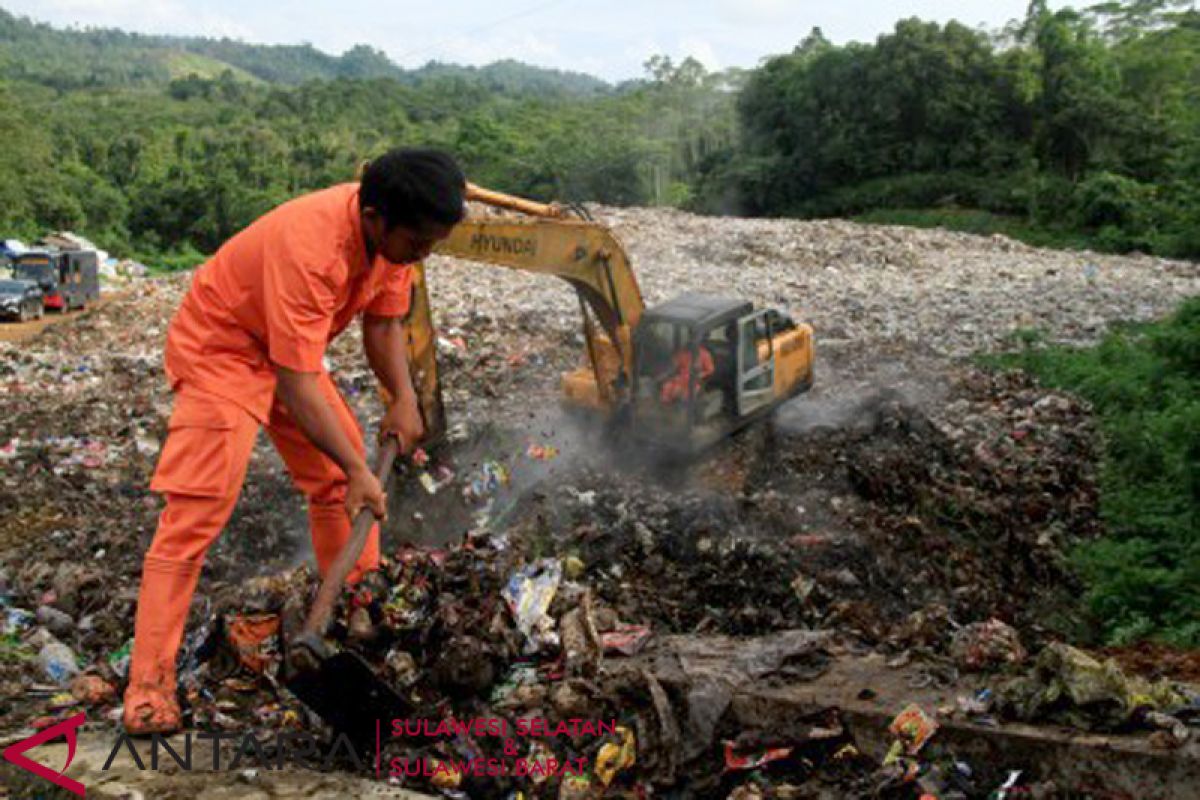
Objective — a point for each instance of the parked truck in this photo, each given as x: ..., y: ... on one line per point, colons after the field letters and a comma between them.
x: 69, y: 279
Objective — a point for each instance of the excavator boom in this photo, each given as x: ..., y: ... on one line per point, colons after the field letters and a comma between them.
x: 549, y: 240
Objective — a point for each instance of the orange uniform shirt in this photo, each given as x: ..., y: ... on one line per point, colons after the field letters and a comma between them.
x: 677, y: 387
x: 278, y: 293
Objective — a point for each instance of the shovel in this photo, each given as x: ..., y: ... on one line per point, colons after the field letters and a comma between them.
x: 340, y: 687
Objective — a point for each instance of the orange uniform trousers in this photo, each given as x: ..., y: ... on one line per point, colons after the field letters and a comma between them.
x: 200, y: 473
x: 203, y: 464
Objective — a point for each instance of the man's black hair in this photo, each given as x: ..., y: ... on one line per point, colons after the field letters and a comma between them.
x: 413, y: 186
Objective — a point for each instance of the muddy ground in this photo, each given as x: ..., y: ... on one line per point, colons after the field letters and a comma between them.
x: 907, y: 496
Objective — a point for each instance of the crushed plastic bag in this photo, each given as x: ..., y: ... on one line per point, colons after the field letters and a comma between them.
x: 613, y: 757
x: 1069, y: 686
x: 735, y: 762
x: 912, y: 728
x: 627, y: 639
x: 529, y: 592
x: 254, y: 639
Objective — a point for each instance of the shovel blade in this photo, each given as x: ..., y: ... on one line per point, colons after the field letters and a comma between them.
x: 349, y: 696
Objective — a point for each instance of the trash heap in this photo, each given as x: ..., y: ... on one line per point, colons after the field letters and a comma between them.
x: 896, y: 525
x: 573, y: 584
x: 578, y: 598
x: 873, y: 286
x: 469, y: 635
x: 1067, y: 686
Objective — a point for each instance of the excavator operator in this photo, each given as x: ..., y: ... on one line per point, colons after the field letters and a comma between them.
x: 246, y: 349
x: 675, y: 388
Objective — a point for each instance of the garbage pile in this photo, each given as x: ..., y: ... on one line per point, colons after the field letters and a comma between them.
x: 1068, y: 686
x: 518, y: 667
x: 896, y: 525
x: 123, y: 271
x: 570, y: 584
x: 572, y: 598
x: 950, y: 294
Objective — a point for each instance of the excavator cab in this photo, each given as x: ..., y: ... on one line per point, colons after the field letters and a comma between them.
x: 704, y: 366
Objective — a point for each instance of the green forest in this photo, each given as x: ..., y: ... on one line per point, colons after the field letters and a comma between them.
x: 1068, y: 127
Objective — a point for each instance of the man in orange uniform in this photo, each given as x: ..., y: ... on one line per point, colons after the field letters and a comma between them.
x: 246, y: 349
x: 675, y: 389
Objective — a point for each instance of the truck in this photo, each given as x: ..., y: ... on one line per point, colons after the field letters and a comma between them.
x: 69, y: 279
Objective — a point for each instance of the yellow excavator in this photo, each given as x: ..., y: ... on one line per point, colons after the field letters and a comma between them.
x: 683, y: 375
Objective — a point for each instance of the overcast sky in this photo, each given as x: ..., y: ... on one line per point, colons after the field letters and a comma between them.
x: 607, y: 38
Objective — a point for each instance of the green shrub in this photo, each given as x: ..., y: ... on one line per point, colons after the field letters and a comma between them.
x: 1104, y: 199
x: 172, y: 261
x: 1051, y: 197
x: 1143, y: 577
x: 919, y: 190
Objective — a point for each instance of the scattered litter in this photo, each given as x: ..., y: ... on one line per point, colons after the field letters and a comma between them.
x: 540, y: 452
x: 1067, y: 685
x: 118, y: 660
x: 627, y: 639
x: 733, y: 761
x: 1006, y: 789
x: 492, y: 477
x: 254, y: 639
x: 57, y: 622
x: 529, y: 592
x: 15, y: 621
x: 58, y: 662
x: 987, y: 645
x: 912, y: 728
x: 616, y: 757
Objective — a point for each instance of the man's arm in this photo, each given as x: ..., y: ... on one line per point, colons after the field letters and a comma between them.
x: 387, y: 353
x: 301, y: 394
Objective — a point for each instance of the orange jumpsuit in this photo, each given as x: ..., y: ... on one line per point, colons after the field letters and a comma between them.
x: 676, y: 388
x: 275, y: 294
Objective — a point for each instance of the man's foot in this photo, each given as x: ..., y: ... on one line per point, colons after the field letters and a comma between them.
x: 150, y: 708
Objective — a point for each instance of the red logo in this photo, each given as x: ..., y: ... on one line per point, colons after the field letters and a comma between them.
x: 13, y: 753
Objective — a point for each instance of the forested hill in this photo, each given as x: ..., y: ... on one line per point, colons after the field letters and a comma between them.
x: 1067, y: 127
x: 97, y: 57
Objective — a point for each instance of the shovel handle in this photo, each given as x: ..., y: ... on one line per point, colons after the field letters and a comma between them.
x: 322, y: 608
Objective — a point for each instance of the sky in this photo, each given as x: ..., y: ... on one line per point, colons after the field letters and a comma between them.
x: 611, y: 39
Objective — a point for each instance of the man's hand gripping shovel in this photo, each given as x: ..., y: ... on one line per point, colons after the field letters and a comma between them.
x: 340, y: 687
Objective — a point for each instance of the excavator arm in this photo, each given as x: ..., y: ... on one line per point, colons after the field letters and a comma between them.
x: 550, y: 240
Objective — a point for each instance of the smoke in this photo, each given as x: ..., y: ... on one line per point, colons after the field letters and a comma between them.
x: 495, y: 468
x: 840, y: 401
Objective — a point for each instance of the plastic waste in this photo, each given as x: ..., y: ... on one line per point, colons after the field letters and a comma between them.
x: 118, y: 660
x: 627, y: 639
x: 254, y: 638
x: 529, y: 592
x: 57, y: 662
x: 733, y: 761
x: 614, y: 757
x: 912, y: 728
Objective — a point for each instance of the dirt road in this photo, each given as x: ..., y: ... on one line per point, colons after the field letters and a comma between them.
x: 12, y: 331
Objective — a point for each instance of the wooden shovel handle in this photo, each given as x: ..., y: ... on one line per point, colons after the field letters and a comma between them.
x: 322, y: 608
